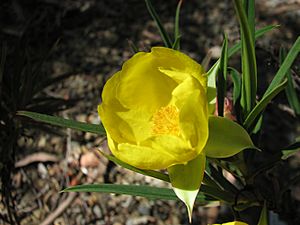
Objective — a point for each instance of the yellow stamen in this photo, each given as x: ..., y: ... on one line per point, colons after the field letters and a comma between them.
x: 166, y: 121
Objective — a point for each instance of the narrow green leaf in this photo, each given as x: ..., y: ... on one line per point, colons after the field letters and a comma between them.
x: 285, y: 66
x: 290, y: 90
x: 262, y: 104
x: 212, y: 191
x: 291, y: 94
x: 236, y: 79
x: 134, y: 190
x: 263, y: 219
x: 231, y: 51
x: 290, y: 150
x: 186, y: 181
x: 250, y: 9
x: 221, y: 88
x: 249, y: 71
x: 61, y: 122
x: 226, y: 138
x: 176, y: 44
x: 151, y: 173
x: 164, y: 35
x: 259, y: 33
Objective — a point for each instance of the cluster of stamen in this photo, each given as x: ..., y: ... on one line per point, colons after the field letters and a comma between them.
x: 166, y: 121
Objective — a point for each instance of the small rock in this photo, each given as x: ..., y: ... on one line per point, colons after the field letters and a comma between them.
x: 89, y: 159
x: 97, y: 211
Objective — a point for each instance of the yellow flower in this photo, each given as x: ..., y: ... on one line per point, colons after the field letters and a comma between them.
x: 233, y: 223
x: 155, y: 110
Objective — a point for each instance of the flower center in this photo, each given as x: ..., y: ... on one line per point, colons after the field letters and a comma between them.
x: 166, y: 121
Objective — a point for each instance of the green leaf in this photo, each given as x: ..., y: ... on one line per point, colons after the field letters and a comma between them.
x: 221, y: 89
x: 231, y: 51
x: 176, y: 44
x: 263, y: 219
x: 214, y: 192
x: 259, y: 33
x: 250, y: 9
x: 285, y: 66
x: 249, y: 71
x: 290, y: 90
x: 164, y: 35
x: 291, y: 94
x: 236, y: 79
x: 290, y: 150
x: 186, y: 181
x: 226, y: 138
x: 61, y: 122
x: 134, y: 190
x: 262, y: 104
x: 151, y: 173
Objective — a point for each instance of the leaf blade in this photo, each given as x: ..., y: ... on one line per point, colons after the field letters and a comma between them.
x: 61, y: 122
x: 226, y: 138
x: 262, y: 104
x: 134, y: 190
x: 222, y: 76
x: 164, y: 35
x: 285, y: 66
x: 176, y: 44
x: 249, y: 70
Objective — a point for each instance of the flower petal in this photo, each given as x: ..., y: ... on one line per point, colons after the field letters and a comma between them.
x: 143, y: 85
x: 235, y: 223
x: 113, y: 124
x: 194, y: 119
x: 139, y: 122
x: 157, y: 152
x: 186, y: 88
x: 177, y: 61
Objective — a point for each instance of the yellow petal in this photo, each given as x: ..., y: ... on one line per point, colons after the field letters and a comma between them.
x: 194, y: 120
x: 177, y: 61
x: 139, y: 122
x: 143, y: 85
x: 235, y: 223
x: 185, y: 89
x: 157, y: 152
x: 232, y: 223
x: 113, y: 124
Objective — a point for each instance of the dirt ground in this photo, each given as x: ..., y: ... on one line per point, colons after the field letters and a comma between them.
x: 93, y: 43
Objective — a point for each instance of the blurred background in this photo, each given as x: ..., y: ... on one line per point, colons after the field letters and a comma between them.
x: 55, y: 58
